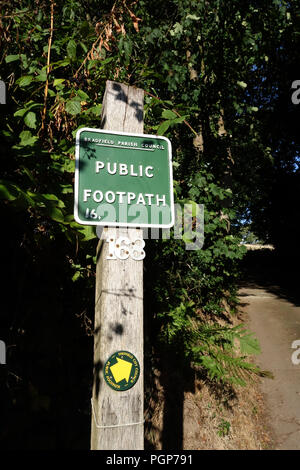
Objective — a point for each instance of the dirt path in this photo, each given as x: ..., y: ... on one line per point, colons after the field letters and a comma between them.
x: 276, y: 322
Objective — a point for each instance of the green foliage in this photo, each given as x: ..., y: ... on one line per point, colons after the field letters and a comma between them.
x: 203, y: 66
x: 224, y: 428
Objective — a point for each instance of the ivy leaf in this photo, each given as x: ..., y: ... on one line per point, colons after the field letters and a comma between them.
x: 30, y: 120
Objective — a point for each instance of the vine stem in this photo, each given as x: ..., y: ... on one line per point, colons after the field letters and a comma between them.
x: 48, y: 63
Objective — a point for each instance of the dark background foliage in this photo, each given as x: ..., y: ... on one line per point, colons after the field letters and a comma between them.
x: 217, y: 78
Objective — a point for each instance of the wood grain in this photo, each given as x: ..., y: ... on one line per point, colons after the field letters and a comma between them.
x: 118, y: 304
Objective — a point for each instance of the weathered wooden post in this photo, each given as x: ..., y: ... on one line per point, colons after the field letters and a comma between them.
x: 123, y: 180
x: 117, y: 417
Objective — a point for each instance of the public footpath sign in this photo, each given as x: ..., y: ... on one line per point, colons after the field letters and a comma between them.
x: 123, y: 179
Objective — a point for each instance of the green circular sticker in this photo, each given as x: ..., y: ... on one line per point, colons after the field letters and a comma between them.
x: 121, y: 371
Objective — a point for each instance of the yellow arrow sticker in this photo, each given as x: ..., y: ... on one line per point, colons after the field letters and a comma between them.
x: 121, y: 370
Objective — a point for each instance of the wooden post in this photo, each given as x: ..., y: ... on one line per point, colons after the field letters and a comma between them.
x: 117, y: 417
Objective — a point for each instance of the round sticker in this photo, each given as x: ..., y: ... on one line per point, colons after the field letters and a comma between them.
x: 121, y: 371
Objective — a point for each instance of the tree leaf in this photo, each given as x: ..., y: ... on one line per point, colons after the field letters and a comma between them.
x: 73, y: 107
x: 55, y: 213
x: 242, y: 84
x: 20, y: 112
x: 163, y: 128
x: 58, y: 81
x: 168, y: 114
x: 26, y: 138
x: 193, y: 17
x: 87, y: 232
x: 11, y: 58
x: 82, y: 95
x: 42, y: 76
x: 30, y: 120
x: 71, y: 49
x: 24, y: 81
x: 76, y: 276
x: 8, y: 190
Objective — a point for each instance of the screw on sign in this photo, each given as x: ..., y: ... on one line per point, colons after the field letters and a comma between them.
x: 122, y: 248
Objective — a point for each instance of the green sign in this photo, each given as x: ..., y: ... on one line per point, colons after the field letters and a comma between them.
x: 123, y: 179
x: 121, y: 371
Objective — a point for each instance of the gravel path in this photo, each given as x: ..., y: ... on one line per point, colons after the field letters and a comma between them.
x: 276, y: 323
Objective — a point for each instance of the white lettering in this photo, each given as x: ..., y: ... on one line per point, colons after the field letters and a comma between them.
x: 149, y: 196
x: 141, y: 199
x: 114, y: 171
x: 160, y: 199
x: 107, y: 196
x: 99, y: 166
x: 123, y: 170
x: 97, y: 196
x: 130, y: 197
x: 120, y: 194
x: 132, y: 172
x: 147, y: 171
x: 86, y: 194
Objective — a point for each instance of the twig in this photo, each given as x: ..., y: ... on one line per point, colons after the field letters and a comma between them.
x: 87, y: 57
x: 48, y: 64
x: 16, y: 14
